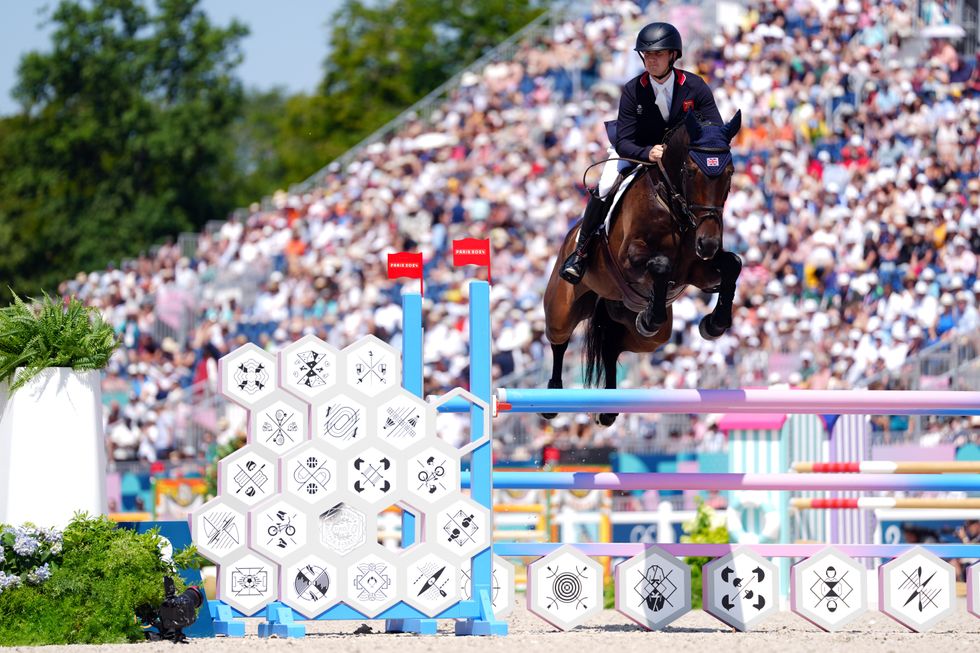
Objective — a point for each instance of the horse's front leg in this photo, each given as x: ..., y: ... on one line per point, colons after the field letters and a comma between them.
x: 557, y: 363
x: 713, y: 325
x: 610, y: 355
x: 652, y: 318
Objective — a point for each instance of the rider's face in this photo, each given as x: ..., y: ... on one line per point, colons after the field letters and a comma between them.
x: 657, y: 63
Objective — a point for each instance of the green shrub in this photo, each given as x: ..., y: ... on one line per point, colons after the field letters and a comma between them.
x: 103, y: 575
x: 52, y: 333
x: 701, y: 531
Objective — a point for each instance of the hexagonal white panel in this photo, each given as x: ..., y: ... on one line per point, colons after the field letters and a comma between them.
x: 372, y: 366
x: 432, y: 475
x: 973, y: 589
x: 740, y: 589
x: 431, y: 581
x: 248, y: 584
x: 279, y: 424
x: 310, y: 586
x: 249, y: 475
x: 565, y: 587
x: 653, y: 588
x: 218, y: 530
x: 344, y: 528
x: 405, y: 420
x: 828, y: 589
x: 462, y: 528
x: 917, y: 589
x: 279, y: 527
x: 372, y: 476
x: 247, y: 375
x: 371, y: 585
x: 501, y: 586
x: 340, y: 421
x: 457, y: 429
x: 309, y: 368
x: 310, y: 472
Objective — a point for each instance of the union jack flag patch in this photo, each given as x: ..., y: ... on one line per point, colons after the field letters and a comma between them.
x: 712, y: 161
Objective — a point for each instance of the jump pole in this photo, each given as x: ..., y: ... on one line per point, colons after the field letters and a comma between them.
x: 874, y: 503
x: 889, y: 467
x: 724, y: 481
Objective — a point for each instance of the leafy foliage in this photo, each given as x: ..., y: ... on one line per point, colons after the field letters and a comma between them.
x: 189, y: 558
x: 701, y: 530
x: 134, y: 126
x: 52, y: 333
x: 123, y: 136
x: 91, y: 597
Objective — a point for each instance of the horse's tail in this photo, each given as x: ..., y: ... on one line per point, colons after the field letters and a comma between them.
x: 601, y: 338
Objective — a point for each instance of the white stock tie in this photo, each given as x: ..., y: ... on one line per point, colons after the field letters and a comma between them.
x: 662, y: 103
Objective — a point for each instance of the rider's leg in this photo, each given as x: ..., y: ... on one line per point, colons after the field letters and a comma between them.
x: 573, y: 269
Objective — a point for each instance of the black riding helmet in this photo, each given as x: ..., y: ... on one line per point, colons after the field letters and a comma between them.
x: 659, y: 36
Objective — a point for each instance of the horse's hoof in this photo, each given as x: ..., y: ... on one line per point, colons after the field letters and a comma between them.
x: 554, y: 385
x: 548, y: 415
x: 606, y: 419
x: 643, y: 331
x: 708, y: 330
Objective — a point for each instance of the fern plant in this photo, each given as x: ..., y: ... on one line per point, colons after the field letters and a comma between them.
x: 50, y: 332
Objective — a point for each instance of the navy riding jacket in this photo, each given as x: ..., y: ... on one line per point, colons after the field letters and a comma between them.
x: 640, y: 125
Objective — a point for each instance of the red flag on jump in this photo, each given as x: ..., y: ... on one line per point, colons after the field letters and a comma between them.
x: 472, y: 251
x: 406, y: 264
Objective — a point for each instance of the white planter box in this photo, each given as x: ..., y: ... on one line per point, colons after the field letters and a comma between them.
x: 52, y: 451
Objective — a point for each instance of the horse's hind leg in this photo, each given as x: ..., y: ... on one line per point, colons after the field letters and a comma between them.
x: 557, y: 363
x: 714, y: 324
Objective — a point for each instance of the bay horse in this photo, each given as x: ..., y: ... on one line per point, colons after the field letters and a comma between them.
x: 666, y: 234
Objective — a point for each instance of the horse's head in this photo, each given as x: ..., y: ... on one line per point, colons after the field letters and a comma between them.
x: 702, y: 158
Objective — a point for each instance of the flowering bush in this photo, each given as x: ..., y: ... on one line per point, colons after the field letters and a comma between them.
x: 80, y: 586
x: 28, y: 554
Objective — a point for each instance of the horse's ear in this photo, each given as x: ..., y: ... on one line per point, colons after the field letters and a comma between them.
x: 732, y: 126
x: 693, y: 126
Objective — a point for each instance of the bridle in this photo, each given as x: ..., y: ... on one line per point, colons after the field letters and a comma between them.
x: 674, y: 199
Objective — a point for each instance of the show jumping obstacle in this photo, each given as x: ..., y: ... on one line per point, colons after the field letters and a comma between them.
x: 476, y: 616
x: 748, y: 401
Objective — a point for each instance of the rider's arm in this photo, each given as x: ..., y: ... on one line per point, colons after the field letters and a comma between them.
x: 627, y: 127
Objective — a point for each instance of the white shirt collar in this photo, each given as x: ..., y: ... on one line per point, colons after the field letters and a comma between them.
x: 668, y: 84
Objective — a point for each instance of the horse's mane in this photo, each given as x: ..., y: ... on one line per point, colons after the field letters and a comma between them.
x: 678, y: 143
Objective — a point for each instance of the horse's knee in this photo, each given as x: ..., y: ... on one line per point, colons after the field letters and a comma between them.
x: 658, y: 265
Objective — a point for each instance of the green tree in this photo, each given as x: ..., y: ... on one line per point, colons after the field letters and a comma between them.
x: 123, y: 138
x: 385, y: 55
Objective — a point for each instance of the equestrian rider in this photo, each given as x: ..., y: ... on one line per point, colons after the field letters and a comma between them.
x: 651, y: 104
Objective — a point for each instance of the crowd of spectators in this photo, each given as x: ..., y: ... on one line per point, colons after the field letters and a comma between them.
x: 855, y: 208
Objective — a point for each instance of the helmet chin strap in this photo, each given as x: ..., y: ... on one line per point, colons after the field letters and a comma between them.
x: 670, y: 68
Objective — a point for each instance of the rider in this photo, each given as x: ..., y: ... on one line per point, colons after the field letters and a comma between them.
x: 650, y: 106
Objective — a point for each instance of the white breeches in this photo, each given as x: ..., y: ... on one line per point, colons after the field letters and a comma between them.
x: 610, y: 172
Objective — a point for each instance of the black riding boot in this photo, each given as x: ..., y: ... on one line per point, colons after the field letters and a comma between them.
x: 573, y: 269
